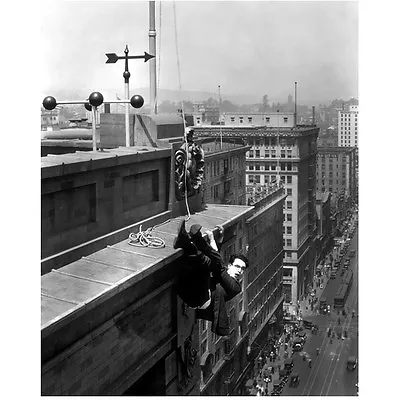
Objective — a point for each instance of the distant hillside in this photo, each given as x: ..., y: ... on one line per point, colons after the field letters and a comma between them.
x: 177, y: 96
x: 163, y: 94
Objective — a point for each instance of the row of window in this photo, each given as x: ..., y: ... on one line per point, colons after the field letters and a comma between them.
x: 284, y: 166
x: 269, y: 154
x: 271, y: 142
x: 257, y: 178
x: 250, y: 119
x: 343, y: 182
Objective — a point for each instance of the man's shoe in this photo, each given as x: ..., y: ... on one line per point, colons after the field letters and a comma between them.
x: 182, y: 240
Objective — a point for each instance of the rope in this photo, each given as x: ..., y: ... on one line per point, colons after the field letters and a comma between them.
x: 183, y: 111
x: 146, y: 239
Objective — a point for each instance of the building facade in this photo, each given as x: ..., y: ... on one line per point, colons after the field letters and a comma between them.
x: 256, y: 313
x: 324, y: 225
x: 270, y: 119
x: 286, y: 155
x: 336, y: 174
x: 348, y: 127
x: 225, y: 177
x: 112, y: 322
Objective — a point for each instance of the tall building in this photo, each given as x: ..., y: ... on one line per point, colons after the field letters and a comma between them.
x: 256, y: 314
x: 324, y: 225
x: 225, y: 177
x: 336, y: 173
x: 348, y: 127
x: 286, y: 155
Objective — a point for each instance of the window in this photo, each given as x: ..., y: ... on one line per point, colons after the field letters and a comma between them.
x: 289, y: 179
x: 266, y: 155
x: 232, y: 119
x: 285, y: 119
x: 266, y: 167
x: 257, y: 153
x: 251, y: 178
x: 241, y: 120
x: 289, y: 154
x: 288, y: 254
x: 289, y: 242
x: 258, y: 178
x: 289, y: 230
x: 216, y: 191
x: 273, y: 167
x: 250, y: 119
x: 267, y: 119
x: 257, y: 167
x: 289, y: 205
x: 283, y: 154
x: 251, y: 154
x: 251, y: 167
x: 203, y: 347
x: 273, y: 153
x: 289, y: 192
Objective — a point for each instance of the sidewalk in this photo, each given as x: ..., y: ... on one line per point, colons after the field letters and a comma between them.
x: 279, y: 362
x: 305, y: 307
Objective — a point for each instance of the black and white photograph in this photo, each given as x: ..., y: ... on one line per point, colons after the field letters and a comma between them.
x: 199, y: 199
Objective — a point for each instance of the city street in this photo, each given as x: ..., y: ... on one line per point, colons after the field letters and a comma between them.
x: 328, y: 375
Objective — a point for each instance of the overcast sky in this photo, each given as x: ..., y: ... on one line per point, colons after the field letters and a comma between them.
x: 246, y: 47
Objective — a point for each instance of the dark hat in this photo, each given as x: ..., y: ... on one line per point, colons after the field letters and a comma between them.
x: 194, y: 229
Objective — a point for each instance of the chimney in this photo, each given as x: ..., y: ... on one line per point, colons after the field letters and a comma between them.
x: 313, y: 115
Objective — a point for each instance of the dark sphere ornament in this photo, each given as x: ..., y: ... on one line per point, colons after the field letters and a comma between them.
x: 137, y: 101
x: 88, y: 107
x: 126, y: 74
x: 49, y: 103
x: 96, y: 99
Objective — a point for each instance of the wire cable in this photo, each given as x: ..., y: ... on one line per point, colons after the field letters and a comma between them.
x: 183, y: 111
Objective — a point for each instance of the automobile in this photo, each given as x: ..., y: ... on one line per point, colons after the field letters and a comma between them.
x: 289, y: 364
x: 351, y: 363
x: 307, y: 324
x: 294, y: 380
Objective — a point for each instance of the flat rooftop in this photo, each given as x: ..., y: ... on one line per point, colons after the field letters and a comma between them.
x: 63, y: 164
x: 248, y: 131
x: 80, y: 287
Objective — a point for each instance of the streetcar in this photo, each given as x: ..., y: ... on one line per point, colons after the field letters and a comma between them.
x: 341, y: 295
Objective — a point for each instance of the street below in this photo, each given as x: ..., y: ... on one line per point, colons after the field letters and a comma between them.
x: 328, y: 375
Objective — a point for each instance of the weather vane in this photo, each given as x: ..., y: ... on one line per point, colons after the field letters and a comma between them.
x: 94, y: 100
x: 112, y: 58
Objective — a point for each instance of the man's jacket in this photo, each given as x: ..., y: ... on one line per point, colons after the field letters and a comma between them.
x: 223, y: 288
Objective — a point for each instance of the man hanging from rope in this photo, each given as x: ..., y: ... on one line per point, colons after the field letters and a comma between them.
x: 203, y: 282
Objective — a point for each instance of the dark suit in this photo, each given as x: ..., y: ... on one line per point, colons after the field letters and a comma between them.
x: 195, y: 282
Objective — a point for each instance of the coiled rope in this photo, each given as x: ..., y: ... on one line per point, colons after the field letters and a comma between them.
x: 146, y: 239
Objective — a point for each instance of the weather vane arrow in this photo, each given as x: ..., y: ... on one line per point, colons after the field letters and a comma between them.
x: 113, y: 58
